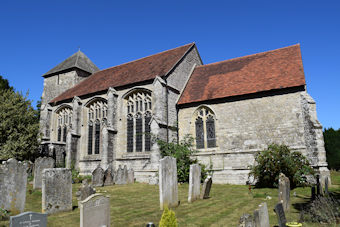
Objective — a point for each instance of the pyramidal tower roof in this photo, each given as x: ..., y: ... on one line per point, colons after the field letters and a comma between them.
x: 77, y: 60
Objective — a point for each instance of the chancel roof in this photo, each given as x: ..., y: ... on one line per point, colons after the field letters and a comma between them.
x: 140, y: 70
x: 77, y: 60
x: 276, y: 69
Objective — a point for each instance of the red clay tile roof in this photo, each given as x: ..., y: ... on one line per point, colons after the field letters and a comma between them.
x: 276, y: 69
x: 132, y: 72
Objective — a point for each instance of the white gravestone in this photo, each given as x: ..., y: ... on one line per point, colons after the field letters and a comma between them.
x: 95, y: 211
x: 168, y: 188
x: 194, y: 182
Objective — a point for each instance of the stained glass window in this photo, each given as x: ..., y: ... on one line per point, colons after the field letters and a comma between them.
x: 147, y: 132
x: 97, y: 138
x: 211, y: 140
x: 130, y: 134
x: 59, y: 134
x: 199, y: 133
x: 205, y: 128
x: 90, y: 139
x: 64, y: 134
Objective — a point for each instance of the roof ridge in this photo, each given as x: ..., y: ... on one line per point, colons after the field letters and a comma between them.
x: 126, y: 63
x: 76, y: 64
x: 250, y: 55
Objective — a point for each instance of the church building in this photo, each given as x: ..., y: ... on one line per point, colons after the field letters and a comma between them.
x: 232, y: 109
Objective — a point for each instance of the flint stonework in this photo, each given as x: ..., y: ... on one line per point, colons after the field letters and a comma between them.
x: 194, y: 182
x: 85, y: 190
x: 13, y: 181
x: 205, y: 193
x: 261, y: 216
x: 98, y: 177
x: 284, y: 191
x: 168, y: 188
x: 95, y: 211
x: 56, y: 190
x: 40, y: 164
x: 28, y: 219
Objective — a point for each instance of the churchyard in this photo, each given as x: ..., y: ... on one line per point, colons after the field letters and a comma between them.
x: 138, y: 204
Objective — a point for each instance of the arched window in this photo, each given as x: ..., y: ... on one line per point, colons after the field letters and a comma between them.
x: 97, y: 116
x: 205, y: 128
x: 64, y: 117
x: 138, y: 121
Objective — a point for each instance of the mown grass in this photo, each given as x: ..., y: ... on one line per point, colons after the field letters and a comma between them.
x: 137, y: 204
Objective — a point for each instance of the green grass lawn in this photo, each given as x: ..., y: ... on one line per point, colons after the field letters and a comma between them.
x: 137, y: 204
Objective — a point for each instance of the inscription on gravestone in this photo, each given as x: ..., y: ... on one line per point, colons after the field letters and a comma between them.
x: 280, y: 213
x: 29, y: 219
x: 95, y: 211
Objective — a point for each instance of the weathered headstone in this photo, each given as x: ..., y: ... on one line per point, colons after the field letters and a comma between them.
x: 95, y: 211
x: 318, y: 185
x: 13, y: 181
x: 284, y: 191
x: 122, y: 175
x: 261, y: 216
x: 85, y: 191
x: 280, y: 213
x: 247, y: 220
x: 168, y: 188
x: 56, y: 190
x: 109, y: 177
x: 40, y: 164
x: 194, y: 182
x: 206, y: 188
x: 313, y: 192
x: 30, y: 168
x: 98, y: 177
x: 130, y: 176
x: 326, y: 185
x: 28, y: 219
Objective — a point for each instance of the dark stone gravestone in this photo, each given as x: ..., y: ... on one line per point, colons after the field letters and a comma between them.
x: 280, y: 213
x: 318, y: 186
x: 28, y: 219
x: 206, y: 188
x: 326, y: 186
x: 313, y: 193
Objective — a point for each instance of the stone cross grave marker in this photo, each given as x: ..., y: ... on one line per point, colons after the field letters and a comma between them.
x: 109, y: 176
x: 261, y: 216
x: 168, y: 188
x: 40, y: 164
x: 194, y: 182
x: 130, y: 176
x: 85, y: 191
x: 206, y: 188
x: 98, y: 177
x: 28, y: 219
x: 284, y: 191
x: 280, y: 213
x: 95, y: 211
x: 56, y: 190
x: 13, y: 181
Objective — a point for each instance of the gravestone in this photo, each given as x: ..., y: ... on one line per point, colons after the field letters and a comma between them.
x: 247, y: 220
x: 284, y: 191
x: 130, y: 176
x: 206, y: 188
x: 122, y: 175
x: 13, y: 181
x: 28, y: 219
x: 313, y: 193
x: 168, y: 188
x: 261, y: 216
x: 98, y: 177
x: 280, y: 213
x: 56, y: 190
x: 85, y: 191
x: 318, y: 185
x: 109, y: 177
x: 194, y: 182
x: 95, y: 211
x: 40, y: 164
x: 30, y: 169
x: 326, y: 185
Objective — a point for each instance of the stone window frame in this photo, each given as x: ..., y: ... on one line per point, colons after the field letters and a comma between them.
x: 204, y: 114
x: 138, y: 105
x: 96, y: 112
x: 64, y: 115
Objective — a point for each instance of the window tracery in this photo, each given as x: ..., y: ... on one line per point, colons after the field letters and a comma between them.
x: 205, y: 128
x: 64, y: 118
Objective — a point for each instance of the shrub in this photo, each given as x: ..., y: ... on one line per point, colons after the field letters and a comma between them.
x: 4, y: 214
x: 168, y: 219
x: 279, y: 159
x: 181, y: 151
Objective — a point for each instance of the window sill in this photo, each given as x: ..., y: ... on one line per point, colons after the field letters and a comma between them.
x: 95, y: 157
x: 135, y: 155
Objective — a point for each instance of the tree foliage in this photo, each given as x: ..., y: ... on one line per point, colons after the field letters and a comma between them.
x: 4, y: 84
x: 279, y: 159
x: 182, y: 152
x: 19, y: 125
x: 168, y: 219
x: 332, y: 146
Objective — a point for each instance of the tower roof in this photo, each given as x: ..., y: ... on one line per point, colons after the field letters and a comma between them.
x: 77, y: 60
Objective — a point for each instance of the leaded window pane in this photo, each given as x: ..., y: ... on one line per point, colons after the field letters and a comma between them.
x: 89, y: 145
x: 211, y: 139
x: 130, y: 134
x: 199, y: 133
x: 147, y: 133
x: 97, y: 138
x: 59, y: 134
x: 139, y: 133
x: 64, y: 134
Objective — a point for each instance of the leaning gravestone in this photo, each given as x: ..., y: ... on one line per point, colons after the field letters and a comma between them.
x: 95, y: 211
x: 194, y: 182
x: 28, y: 219
x: 206, y: 188
x: 261, y: 216
x: 284, y: 191
x: 40, y: 164
x: 56, y: 190
x: 280, y: 213
x: 122, y: 175
x: 130, y: 176
x: 85, y: 191
x: 98, y: 177
x: 168, y: 188
x: 109, y: 177
x: 326, y: 186
x: 13, y: 181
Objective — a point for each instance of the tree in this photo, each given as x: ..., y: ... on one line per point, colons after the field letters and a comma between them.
x: 19, y: 125
x: 4, y: 84
x: 332, y: 146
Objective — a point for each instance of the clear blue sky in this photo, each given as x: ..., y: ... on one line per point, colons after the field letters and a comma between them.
x: 37, y: 35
